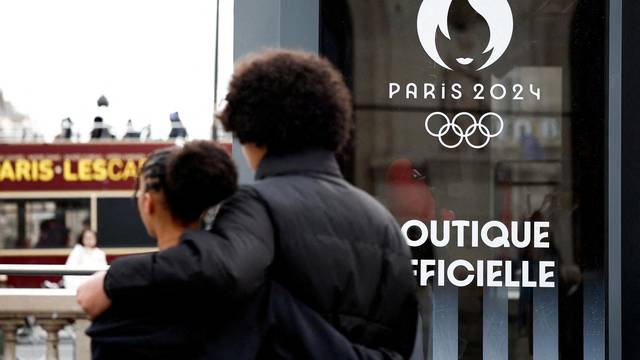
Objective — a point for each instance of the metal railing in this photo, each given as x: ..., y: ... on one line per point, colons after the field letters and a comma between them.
x: 45, y: 270
x: 52, y: 309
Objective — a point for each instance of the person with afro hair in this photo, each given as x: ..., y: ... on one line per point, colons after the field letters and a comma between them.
x: 288, y: 102
x: 299, y: 227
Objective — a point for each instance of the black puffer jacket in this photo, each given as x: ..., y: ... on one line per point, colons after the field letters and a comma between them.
x: 301, y: 224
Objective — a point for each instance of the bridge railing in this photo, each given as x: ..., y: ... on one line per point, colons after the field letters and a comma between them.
x: 52, y: 309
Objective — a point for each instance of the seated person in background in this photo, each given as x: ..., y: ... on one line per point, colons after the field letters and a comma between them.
x: 84, y: 253
x: 53, y: 234
x: 175, y: 188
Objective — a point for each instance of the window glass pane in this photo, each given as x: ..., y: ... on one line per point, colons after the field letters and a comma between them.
x: 42, y: 223
x: 487, y: 112
x: 8, y: 225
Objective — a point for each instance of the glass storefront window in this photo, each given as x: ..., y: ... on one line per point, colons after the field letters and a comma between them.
x: 487, y: 112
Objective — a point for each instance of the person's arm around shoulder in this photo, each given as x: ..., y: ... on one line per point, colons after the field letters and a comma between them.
x: 231, y: 260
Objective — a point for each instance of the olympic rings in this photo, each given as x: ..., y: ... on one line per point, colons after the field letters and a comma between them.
x: 464, y: 135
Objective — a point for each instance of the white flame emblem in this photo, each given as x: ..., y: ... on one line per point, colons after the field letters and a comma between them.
x: 497, y: 13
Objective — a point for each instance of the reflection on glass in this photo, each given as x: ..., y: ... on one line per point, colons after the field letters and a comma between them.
x: 522, y: 140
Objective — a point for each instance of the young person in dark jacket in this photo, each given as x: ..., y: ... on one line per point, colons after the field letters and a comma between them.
x: 300, y: 225
x: 176, y: 186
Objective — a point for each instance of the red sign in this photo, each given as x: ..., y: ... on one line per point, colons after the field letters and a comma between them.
x: 72, y: 167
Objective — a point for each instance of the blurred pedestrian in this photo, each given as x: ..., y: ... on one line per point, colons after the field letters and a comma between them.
x: 178, y: 131
x: 100, y: 129
x: 84, y: 253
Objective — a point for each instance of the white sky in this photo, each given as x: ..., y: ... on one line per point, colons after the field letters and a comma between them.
x: 148, y: 57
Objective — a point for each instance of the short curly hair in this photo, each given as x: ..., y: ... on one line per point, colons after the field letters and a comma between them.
x: 288, y: 101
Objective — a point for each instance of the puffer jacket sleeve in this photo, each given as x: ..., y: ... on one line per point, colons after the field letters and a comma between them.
x: 231, y: 261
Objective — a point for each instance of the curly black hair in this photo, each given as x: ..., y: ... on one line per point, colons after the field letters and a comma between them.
x: 193, y: 178
x: 288, y: 101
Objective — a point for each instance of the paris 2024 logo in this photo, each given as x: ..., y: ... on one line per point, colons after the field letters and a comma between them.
x: 433, y: 15
x: 475, y: 129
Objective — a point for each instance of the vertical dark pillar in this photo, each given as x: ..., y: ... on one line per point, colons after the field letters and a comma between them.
x: 22, y: 225
x: 615, y: 164
x: 260, y: 25
x: 630, y: 181
x: 590, y: 122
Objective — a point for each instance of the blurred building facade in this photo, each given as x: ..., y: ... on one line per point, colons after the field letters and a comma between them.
x: 14, y: 126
